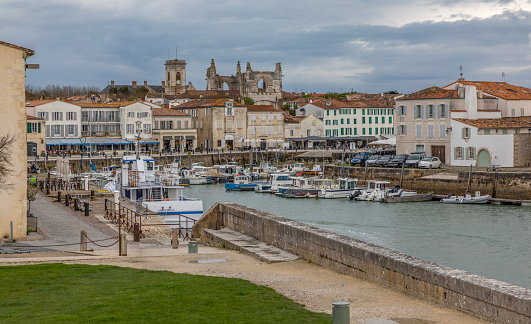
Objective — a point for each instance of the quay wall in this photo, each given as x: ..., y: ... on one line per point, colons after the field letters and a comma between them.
x: 482, y: 297
x: 508, y: 185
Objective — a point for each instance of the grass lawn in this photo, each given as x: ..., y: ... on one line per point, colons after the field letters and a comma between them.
x: 59, y: 293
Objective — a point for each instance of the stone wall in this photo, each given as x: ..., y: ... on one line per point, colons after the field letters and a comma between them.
x: 482, y: 297
x: 522, y: 150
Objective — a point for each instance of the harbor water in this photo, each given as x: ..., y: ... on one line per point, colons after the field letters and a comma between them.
x: 489, y: 240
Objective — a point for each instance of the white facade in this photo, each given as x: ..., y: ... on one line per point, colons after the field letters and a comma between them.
x: 63, y: 120
x: 305, y: 127
x: 134, y: 117
x: 468, y: 144
x: 358, y: 122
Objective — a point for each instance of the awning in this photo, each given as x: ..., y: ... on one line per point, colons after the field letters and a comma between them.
x: 146, y: 141
x: 178, y: 138
x: 166, y: 138
x: 104, y: 141
x: 63, y: 141
x: 191, y: 137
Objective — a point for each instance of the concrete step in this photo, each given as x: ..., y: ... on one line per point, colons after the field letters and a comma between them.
x: 230, y: 239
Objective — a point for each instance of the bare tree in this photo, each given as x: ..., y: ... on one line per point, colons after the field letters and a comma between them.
x: 5, y: 159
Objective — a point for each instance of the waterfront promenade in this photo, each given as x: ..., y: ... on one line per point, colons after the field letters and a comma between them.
x: 314, y: 286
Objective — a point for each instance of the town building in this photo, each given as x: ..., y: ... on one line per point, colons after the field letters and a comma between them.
x: 35, y: 138
x: 423, y: 118
x: 265, y: 126
x: 13, y: 126
x: 172, y: 130
x: 303, y: 131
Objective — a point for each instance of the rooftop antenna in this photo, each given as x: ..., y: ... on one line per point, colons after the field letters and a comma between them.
x: 503, y: 76
x: 461, y: 74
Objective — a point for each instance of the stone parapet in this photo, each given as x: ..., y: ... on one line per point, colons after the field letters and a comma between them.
x: 482, y: 297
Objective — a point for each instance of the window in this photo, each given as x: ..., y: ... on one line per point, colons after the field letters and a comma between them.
x: 291, y: 132
x: 147, y: 128
x: 466, y: 132
x: 376, y: 120
x: 56, y: 130
x: 521, y: 111
x: 57, y: 116
x: 363, y: 131
x: 271, y: 117
x: 279, y: 130
x: 504, y: 131
x: 279, y: 117
x: 131, y: 114
x: 517, y: 131
x: 179, y: 124
x: 142, y: 115
x: 219, y: 142
x: 162, y: 124
x: 363, y: 120
x: 354, y: 121
x: 430, y: 131
x: 419, y: 131
x: 71, y: 115
x: 431, y: 111
x: 342, y: 121
x: 271, y: 131
x: 442, y: 131
x: 348, y: 121
x: 35, y: 127
x: 418, y: 111
x: 71, y: 129
x: 253, y: 117
x: 513, y: 112
x: 263, y: 117
x: 458, y: 153
x: 472, y: 153
x: 264, y: 130
x: 253, y: 130
x: 186, y: 124
x: 486, y: 131
x: 383, y: 119
x: 229, y: 111
x: 130, y: 128
x: 402, y: 110
x: 444, y: 111
x: 419, y: 148
x: 328, y: 112
x: 370, y: 120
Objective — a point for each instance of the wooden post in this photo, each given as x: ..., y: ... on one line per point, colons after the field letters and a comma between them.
x: 83, y: 246
x: 136, y: 232
x: 175, y: 238
x: 123, y: 245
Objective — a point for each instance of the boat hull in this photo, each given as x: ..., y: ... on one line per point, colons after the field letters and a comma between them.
x: 409, y: 198
x: 241, y: 187
x: 335, y: 193
x: 172, y: 211
x: 466, y: 200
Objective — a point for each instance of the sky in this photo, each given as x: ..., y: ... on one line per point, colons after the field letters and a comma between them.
x: 323, y: 46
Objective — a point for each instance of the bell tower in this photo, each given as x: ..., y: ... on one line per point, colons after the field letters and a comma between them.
x: 175, y: 77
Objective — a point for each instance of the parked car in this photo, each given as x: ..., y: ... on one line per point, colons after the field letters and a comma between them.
x: 430, y: 163
x: 360, y: 158
x: 397, y: 161
x: 383, y: 160
x: 413, y: 159
x: 373, y: 160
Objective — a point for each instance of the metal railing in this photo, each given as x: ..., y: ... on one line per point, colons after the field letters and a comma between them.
x: 123, y: 216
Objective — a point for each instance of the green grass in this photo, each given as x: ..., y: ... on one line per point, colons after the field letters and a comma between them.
x: 58, y: 293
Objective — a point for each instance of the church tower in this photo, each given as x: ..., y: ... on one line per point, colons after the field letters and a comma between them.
x: 175, y: 77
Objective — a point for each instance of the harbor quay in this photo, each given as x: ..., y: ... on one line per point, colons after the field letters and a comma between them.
x: 485, y: 298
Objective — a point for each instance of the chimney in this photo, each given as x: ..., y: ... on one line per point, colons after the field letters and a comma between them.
x: 461, y: 92
x: 134, y: 84
x: 163, y: 83
x: 145, y: 83
x: 471, y: 102
x: 112, y: 83
x: 480, y: 93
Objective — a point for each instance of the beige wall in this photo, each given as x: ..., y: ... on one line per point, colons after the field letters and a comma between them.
x: 225, y: 127
x: 262, y: 123
x: 37, y: 137
x: 159, y: 133
x: 13, y: 122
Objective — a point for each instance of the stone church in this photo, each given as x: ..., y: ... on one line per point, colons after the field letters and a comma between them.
x: 265, y: 88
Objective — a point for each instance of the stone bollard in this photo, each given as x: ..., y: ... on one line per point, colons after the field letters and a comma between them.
x: 75, y: 204
x: 67, y: 200
x: 136, y: 232
x: 340, y: 313
x: 175, y: 238
x: 83, y: 246
x: 59, y: 196
x: 87, y: 208
x: 92, y: 195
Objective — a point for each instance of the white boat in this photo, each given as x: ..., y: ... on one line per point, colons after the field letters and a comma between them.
x: 193, y: 177
x: 375, y: 191
x: 342, y: 189
x: 467, y: 199
x: 275, y: 181
x: 241, y: 182
x: 159, y: 191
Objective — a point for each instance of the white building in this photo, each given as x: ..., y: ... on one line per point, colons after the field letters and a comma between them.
x: 136, y: 116
x: 302, y: 131
x: 63, y: 119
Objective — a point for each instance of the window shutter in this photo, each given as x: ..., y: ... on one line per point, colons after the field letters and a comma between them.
x: 405, y: 110
x: 47, y: 116
x: 75, y: 130
x: 463, y: 133
x: 405, y: 129
x: 421, y: 111
x: 438, y: 111
x: 415, y: 114
x: 39, y: 127
x: 62, y: 130
x: 455, y: 153
x: 75, y: 115
x: 61, y: 116
x: 29, y: 128
x: 465, y: 151
x: 47, y: 130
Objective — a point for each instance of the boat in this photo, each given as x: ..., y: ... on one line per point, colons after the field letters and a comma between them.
x: 467, y: 199
x: 275, y: 181
x: 158, y: 191
x: 241, y: 182
x: 301, y: 187
x: 343, y: 189
x: 193, y: 177
x: 374, y: 191
x: 315, y: 171
x: 409, y: 198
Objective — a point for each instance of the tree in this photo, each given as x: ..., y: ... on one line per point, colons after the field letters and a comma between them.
x: 248, y: 101
x: 5, y: 160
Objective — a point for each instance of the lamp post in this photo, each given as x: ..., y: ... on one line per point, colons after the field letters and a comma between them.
x: 138, y: 138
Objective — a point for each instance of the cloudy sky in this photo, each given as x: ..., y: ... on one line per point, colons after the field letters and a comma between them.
x: 333, y: 45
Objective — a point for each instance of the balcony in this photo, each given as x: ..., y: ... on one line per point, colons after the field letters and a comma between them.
x: 101, y: 134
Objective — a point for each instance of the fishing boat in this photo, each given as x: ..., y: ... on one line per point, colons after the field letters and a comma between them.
x: 301, y: 187
x: 159, y: 191
x: 467, y: 199
x: 374, y: 191
x: 275, y: 181
x: 315, y: 171
x: 342, y: 189
x: 241, y: 182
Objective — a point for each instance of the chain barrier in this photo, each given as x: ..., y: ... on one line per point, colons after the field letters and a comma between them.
x: 67, y: 244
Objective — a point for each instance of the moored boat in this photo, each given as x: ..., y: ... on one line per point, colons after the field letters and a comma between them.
x: 467, y: 199
x: 343, y: 189
x: 240, y: 182
x: 409, y: 198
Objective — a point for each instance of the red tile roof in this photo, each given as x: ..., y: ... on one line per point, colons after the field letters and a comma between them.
x: 337, y: 104
x: 501, y: 90
x: 28, y: 117
x: 25, y: 50
x: 158, y: 112
x: 505, y: 122
x: 288, y: 119
x: 262, y: 108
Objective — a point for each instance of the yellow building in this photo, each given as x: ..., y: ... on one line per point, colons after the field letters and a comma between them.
x: 172, y: 128
x: 35, y: 137
x: 13, y: 125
